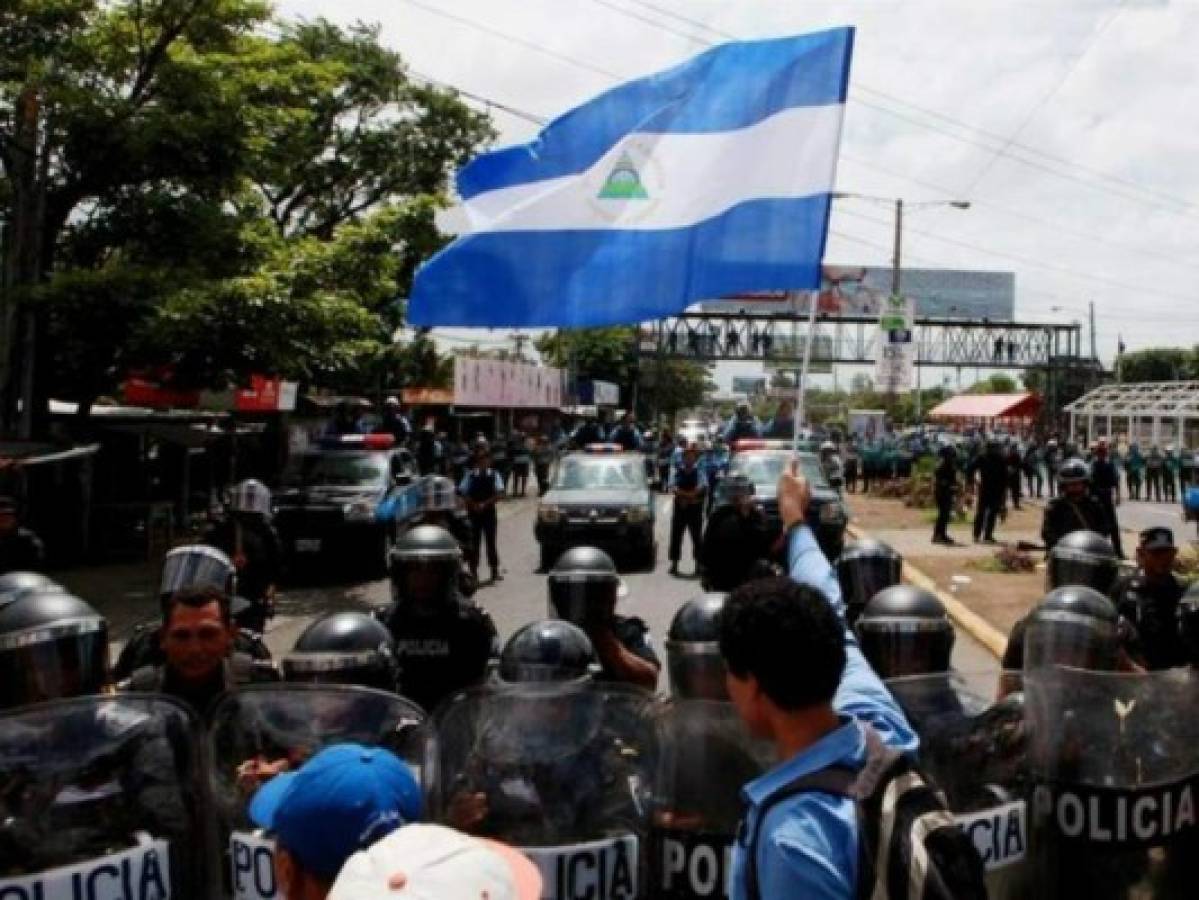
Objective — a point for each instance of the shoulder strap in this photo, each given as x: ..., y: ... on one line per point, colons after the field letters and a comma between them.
x: 841, y: 781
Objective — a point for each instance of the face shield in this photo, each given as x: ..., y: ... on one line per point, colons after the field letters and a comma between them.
x: 368, y: 668
x: 697, y: 670
x: 64, y: 659
x: 424, y: 581
x: 584, y: 599
x: 1066, y: 566
x: 901, y: 646
x: 1071, y: 640
x: 195, y: 566
x: 252, y: 497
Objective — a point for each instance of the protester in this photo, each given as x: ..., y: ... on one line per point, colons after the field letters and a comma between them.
x: 482, y: 488
x: 197, y: 644
x: 20, y: 549
x: 432, y: 862
x: 341, y: 801
x: 689, y: 487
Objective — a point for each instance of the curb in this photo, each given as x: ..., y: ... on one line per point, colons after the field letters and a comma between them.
x: 991, y: 638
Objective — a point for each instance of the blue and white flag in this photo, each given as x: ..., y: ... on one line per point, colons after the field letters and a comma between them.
x: 709, y: 179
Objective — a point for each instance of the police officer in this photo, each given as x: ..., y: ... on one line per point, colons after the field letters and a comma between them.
x: 344, y: 648
x: 590, y: 432
x: 945, y: 488
x: 248, y: 538
x: 443, y: 641
x: 830, y: 462
x: 200, y: 661
x: 1149, y: 599
x: 440, y: 506
x: 1155, y: 465
x: 20, y: 548
x: 1170, y: 469
x: 482, y: 488
x: 52, y: 645
x: 1052, y: 458
x: 736, y: 544
x: 1134, y: 469
x: 864, y: 568
x: 1105, y: 487
x: 1075, y: 509
x: 905, y: 630
x: 742, y: 426
x: 583, y: 589
x: 1188, y: 624
x: 626, y: 434
x: 697, y: 670
x: 689, y: 487
x: 992, y: 487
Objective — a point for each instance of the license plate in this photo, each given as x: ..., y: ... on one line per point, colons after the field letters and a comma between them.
x: 308, y: 545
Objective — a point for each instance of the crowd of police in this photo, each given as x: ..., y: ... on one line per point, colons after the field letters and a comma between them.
x: 554, y: 742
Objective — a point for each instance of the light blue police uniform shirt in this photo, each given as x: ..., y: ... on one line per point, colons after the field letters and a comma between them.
x: 703, y: 479
x: 464, y: 485
x: 808, y: 845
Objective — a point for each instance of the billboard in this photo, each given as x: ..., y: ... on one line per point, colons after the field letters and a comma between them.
x: 748, y: 385
x: 896, y: 359
x: 506, y: 385
x: 860, y: 291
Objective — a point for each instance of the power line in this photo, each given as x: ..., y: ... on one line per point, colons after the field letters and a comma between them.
x: 479, y: 98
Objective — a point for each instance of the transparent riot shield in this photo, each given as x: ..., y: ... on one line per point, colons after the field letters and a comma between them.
x: 705, y: 757
x: 976, y: 754
x: 104, y: 797
x: 262, y: 730
x: 562, y: 771
x: 1114, y: 760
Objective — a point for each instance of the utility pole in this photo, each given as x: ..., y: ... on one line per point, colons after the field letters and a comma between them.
x: 1094, y: 354
x: 519, y: 338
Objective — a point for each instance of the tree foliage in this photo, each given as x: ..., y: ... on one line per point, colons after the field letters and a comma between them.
x: 217, y: 193
x: 1160, y: 364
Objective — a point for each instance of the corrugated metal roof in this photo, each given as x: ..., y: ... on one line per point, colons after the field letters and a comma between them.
x: 987, y: 406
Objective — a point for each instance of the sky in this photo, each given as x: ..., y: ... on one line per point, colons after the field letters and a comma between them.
x: 1070, y: 127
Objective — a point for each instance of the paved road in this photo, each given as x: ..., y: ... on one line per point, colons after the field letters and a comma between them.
x: 126, y: 594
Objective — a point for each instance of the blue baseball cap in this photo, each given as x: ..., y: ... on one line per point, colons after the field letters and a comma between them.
x: 342, y: 800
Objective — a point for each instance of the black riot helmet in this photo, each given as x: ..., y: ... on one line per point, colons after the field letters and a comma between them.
x: 905, y: 630
x: 52, y: 645
x: 697, y: 669
x: 736, y: 487
x: 344, y: 648
x: 1188, y: 623
x: 1074, y: 470
x: 1074, y: 626
x: 424, y: 569
x: 14, y: 585
x: 552, y: 650
x: 584, y: 586
x: 948, y: 451
x: 1082, y: 557
x: 864, y: 568
x: 194, y: 565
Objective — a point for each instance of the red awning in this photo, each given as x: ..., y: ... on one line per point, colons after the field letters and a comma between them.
x: 988, y: 406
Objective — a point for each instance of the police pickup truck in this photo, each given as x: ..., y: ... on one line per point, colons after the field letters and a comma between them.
x: 599, y: 497
x: 762, y: 461
x: 341, y: 498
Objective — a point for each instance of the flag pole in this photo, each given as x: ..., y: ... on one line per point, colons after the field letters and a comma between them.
x: 801, y: 383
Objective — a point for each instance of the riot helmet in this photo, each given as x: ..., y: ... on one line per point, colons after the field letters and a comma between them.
x: 344, y: 648
x: 194, y: 565
x: 1188, y: 623
x: 424, y: 568
x: 438, y: 494
x: 52, y: 645
x: 1082, y: 557
x: 905, y: 630
x: 948, y: 451
x: 549, y: 651
x: 251, y: 496
x: 697, y: 669
x: 584, y: 586
x: 14, y: 585
x: 1074, y: 471
x: 736, y: 487
x: 1074, y: 626
x: 864, y: 568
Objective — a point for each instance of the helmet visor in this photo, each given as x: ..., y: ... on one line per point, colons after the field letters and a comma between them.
x: 425, y: 582
x: 864, y: 576
x: 899, y: 647
x: 67, y: 659
x: 697, y: 670
x: 366, y: 669
x: 1067, y: 566
x: 1071, y: 640
x: 194, y: 566
x: 584, y: 601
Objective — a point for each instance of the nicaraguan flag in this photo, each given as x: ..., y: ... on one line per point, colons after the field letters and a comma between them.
x: 709, y: 179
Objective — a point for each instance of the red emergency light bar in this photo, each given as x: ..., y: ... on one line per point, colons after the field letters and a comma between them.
x: 360, y: 441
x: 760, y: 444
x: 603, y: 448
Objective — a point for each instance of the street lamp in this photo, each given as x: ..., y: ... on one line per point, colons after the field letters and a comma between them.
x: 897, y: 254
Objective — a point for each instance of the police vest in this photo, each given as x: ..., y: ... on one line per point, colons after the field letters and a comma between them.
x: 686, y: 479
x: 481, y: 487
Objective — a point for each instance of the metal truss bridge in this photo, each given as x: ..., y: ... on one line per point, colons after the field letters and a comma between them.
x: 780, y: 338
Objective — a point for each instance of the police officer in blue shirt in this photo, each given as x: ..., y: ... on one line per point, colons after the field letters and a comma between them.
x: 742, y: 425
x: 798, y: 678
x: 482, y: 488
x: 689, y: 486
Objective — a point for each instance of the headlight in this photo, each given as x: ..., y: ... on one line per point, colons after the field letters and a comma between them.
x: 831, y: 513
x: 359, y: 511
x: 638, y: 513
x: 548, y: 514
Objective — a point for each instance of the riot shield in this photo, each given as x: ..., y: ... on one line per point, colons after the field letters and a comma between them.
x: 976, y: 754
x: 104, y: 797
x: 264, y: 729
x: 562, y: 771
x: 705, y: 757
x: 1115, y: 763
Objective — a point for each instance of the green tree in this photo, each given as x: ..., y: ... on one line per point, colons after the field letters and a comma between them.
x: 606, y: 354
x: 998, y: 383
x: 669, y: 386
x: 1159, y: 364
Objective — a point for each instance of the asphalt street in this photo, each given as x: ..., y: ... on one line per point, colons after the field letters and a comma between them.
x: 520, y: 597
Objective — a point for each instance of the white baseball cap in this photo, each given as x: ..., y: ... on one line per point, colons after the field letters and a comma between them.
x: 432, y: 862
